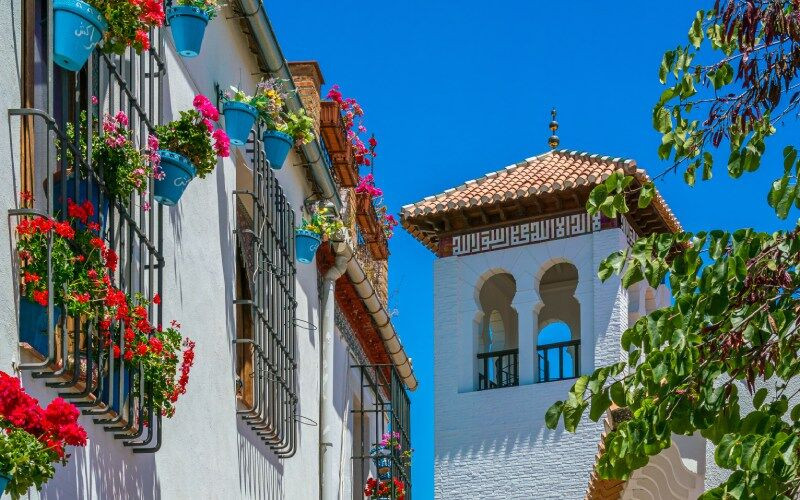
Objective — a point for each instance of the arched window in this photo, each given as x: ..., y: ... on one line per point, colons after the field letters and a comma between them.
x: 555, y: 364
x: 497, y: 359
x: 558, y: 340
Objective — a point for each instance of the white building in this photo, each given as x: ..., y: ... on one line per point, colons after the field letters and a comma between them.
x: 298, y: 368
x: 518, y: 313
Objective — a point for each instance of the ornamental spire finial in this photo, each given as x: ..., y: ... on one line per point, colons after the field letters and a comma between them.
x: 553, y: 140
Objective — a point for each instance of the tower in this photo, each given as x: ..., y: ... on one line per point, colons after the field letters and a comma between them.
x: 519, y: 312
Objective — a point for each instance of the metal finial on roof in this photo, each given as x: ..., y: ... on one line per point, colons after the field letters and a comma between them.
x: 553, y: 141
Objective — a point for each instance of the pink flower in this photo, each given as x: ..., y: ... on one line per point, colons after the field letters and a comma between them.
x: 222, y: 144
x: 108, y: 125
x: 95, y: 100
x: 152, y: 142
x: 208, y: 124
x: 122, y: 118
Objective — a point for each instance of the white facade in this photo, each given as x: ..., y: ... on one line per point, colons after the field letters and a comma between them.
x: 494, y: 443
x: 207, y: 451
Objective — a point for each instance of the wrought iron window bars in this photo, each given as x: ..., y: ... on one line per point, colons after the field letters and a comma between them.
x: 266, y: 241
x: 85, y: 373
x: 385, y: 404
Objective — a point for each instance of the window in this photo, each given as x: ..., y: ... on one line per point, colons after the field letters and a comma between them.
x: 497, y: 359
x: 265, y: 304
x: 558, y: 339
x: 385, y: 409
x: 65, y: 349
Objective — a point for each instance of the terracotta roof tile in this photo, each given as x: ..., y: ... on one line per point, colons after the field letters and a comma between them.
x: 550, y: 172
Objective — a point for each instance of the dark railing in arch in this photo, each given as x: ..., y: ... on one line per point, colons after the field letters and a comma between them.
x: 265, y: 240
x: 383, y: 407
x: 498, y: 369
x: 559, y: 361
x: 68, y: 355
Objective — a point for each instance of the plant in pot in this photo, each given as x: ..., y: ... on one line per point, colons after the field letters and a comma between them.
x: 79, y: 25
x: 33, y: 438
x: 283, y: 129
x: 79, y: 263
x: 353, y: 116
x: 382, y: 489
x: 240, y: 115
x: 309, y: 235
x: 162, y: 353
x: 189, y: 146
x: 124, y: 168
x: 188, y: 20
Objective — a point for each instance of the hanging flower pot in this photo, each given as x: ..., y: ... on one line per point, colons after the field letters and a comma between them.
x: 177, y: 171
x: 78, y: 28
x: 4, y: 479
x: 306, y: 242
x: 277, y: 146
x: 188, y: 26
x: 383, y: 463
x: 112, y: 391
x: 88, y: 191
x: 239, y: 120
x: 33, y: 325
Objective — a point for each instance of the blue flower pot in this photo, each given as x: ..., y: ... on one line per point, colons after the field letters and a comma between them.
x: 78, y: 27
x: 4, y: 479
x: 306, y: 243
x: 178, y: 172
x: 383, y: 464
x: 33, y: 324
x: 188, y: 26
x: 110, y: 386
x: 85, y: 188
x: 239, y: 120
x: 277, y: 146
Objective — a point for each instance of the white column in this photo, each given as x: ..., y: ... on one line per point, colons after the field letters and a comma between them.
x: 527, y: 304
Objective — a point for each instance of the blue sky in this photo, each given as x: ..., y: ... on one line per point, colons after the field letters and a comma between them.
x: 456, y: 89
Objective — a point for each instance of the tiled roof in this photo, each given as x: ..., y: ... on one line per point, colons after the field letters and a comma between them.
x: 550, y: 172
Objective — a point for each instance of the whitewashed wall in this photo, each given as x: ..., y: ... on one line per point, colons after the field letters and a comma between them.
x: 494, y: 444
x: 207, y: 452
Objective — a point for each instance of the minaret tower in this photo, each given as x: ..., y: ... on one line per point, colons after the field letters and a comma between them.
x: 519, y: 313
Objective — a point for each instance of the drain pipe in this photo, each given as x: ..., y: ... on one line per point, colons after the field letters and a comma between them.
x: 329, y: 470
x: 271, y: 54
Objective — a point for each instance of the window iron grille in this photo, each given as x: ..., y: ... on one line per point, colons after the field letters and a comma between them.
x: 266, y: 241
x: 73, y: 361
x: 559, y: 361
x: 385, y: 407
x: 499, y: 369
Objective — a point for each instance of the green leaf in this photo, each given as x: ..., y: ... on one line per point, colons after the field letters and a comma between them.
x: 596, y: 198
x: 696, y: 31
x: 600, y: 403
x: 632, y: 275
x: 662, y: 121
x: 789, y: 158
x: 617, y: 393
x: 759, y: 397
x: 553, y: 414
x: 646, y: 194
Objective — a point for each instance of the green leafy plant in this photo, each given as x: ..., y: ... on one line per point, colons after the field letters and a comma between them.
x: 211, y: 7
x: 161, y: 353
x: 729, y: 341
x: 26, y: 459
x: 129, y: 23
x: 125, y: 169
x: 80, y: 261
x: 300, y: 126
x: 191, y: 136
x: 323, y: 223
x: 270, y: 101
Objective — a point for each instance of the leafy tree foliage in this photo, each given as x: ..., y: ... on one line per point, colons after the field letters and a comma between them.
x: 731, y: 335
